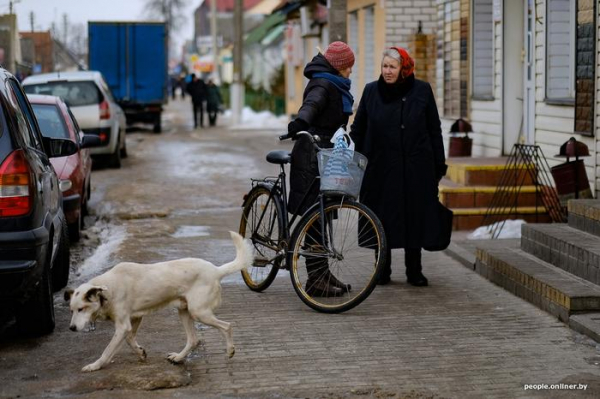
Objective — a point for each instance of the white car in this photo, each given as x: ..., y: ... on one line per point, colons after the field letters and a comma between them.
x: 93, y: 105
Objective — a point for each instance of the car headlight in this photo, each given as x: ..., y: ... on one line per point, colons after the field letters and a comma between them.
x: 65, y: 185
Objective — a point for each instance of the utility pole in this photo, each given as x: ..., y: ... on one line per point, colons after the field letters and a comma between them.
x: 213, y: 33
x: 237, y: 86
x: 337, y: 20
x: 10, y: 5
x: 32, y: 20
x: 65, y: 28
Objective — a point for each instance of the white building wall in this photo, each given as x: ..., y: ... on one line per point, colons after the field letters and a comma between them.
x: 486, y: 116
x: 402, y: 20
x: 554, y: 124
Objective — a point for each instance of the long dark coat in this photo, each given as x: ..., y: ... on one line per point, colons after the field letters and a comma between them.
x: 322, y: 109
x: 402, y: 140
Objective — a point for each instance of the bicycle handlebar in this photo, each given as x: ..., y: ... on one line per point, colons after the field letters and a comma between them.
x: 314, y: 139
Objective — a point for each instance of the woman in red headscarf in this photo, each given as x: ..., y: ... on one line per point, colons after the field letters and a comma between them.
x: 398, y: 128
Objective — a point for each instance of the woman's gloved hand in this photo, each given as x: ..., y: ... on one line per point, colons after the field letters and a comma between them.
x: 296, y: 126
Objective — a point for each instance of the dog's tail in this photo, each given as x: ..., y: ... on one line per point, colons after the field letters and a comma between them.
x: 243, y: 258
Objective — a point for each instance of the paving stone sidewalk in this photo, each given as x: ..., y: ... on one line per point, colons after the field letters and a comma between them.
x: 460, y: 337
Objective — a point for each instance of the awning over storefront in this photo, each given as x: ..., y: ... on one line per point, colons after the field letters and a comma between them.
x: 272, y: 21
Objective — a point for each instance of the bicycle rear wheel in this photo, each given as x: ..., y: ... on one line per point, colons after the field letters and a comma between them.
x: 351, y: 255
x: 262, y: 223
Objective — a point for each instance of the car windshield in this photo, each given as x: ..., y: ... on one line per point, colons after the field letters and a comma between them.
x: 73, y: 93
x: 50, y: 120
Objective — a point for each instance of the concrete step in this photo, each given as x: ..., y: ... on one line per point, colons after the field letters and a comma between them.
x: 472, y: 218
x: 540, y: 283
x: 459, y: 196
x: 485, y: 172
x: 572, y: 250
x: 586, y: 323
x: 585, y: 215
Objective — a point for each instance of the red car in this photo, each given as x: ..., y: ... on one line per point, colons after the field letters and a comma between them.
x: 74, y: 171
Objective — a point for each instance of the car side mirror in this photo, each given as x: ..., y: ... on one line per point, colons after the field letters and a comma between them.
x: 59, y: 147
x: 90, y: 140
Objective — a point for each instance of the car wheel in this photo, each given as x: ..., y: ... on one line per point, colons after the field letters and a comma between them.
x: 75, y: 228
x: 124, y: 149
x: 157, y: 124
x: 35, y: 317
x: 62, y: 264
x: 115, y: 158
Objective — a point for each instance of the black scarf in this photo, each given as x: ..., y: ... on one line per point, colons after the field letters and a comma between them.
x: 391, y: 92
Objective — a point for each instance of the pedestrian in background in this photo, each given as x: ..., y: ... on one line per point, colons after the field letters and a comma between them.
x: 327, y: 104
x: 197, y: 90
x: 398, y: 128
x: 184, y: 80
x: 213, y: 101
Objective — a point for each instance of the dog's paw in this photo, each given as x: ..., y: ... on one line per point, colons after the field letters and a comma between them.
x: 90, y: 367
x: 143, y: 354
x: 174, y: 358
x: 231, y: 352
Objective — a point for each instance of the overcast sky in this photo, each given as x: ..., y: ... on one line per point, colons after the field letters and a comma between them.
x: 82, y: 11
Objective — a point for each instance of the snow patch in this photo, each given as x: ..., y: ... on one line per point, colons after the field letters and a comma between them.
x: 111, y: 237
x: 192, y: 231
x: 258, y: 120
x: 511, y: 229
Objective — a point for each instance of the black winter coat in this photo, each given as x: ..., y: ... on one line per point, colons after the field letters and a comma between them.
x: 402, y: 139
x: 322, y: 109
x: 197, y: 89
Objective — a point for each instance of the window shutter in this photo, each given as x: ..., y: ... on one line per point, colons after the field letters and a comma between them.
x: 370, y: 59
x: 483, y: 49
x: 353, y: 43
x: 559, y: 46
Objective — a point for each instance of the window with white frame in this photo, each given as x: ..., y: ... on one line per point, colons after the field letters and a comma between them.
x: 560, y: 49
x: 483, y: 49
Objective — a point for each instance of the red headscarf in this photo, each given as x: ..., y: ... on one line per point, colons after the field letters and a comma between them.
x: 407, y: 64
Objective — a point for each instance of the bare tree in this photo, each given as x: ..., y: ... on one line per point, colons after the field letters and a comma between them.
x: 72, y: 35
x: 170, y: 11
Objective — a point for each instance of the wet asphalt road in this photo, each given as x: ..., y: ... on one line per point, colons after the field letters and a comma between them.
x: 177, y: 195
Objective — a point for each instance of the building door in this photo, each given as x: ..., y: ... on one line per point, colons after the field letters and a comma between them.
x: 512, y: 72
x: 528, y: 129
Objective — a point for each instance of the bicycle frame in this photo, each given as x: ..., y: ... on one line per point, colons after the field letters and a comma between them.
x: 278, y: 192
x: 278, y: 188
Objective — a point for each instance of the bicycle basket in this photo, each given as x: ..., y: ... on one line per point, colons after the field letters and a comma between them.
x: 341, y: 171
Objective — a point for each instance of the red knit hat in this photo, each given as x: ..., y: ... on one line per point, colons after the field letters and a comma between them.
x: 339, y: 55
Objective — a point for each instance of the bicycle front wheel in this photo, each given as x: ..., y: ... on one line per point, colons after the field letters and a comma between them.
x: 349, y: 256
x: 262, y: 224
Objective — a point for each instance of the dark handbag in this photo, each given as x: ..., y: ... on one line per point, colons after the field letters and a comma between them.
x: 444, y: 233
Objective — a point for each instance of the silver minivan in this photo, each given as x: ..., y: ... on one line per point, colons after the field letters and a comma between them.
x: 93, y: 105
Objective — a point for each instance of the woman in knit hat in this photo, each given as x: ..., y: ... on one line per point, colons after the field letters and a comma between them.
x: 398, y: 128
x: 327, y: 104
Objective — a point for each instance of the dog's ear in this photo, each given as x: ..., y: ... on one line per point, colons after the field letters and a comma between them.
x: 68, y: 293
x: 96, y: 293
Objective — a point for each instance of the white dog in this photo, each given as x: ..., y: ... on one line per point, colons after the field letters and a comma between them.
x: 129, y: 291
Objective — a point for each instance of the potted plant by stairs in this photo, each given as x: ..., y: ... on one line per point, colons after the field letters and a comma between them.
x: 460, y: 144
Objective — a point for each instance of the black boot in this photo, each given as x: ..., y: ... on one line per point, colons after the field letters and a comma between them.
x: 414, y: 275
x: 386, y: 272
x: 320, y: 282
x: 332, y: 280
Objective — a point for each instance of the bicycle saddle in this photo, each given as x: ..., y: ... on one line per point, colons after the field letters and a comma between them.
x: 279, y: 157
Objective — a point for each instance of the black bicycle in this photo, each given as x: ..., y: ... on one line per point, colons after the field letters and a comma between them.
x: 337, y: 241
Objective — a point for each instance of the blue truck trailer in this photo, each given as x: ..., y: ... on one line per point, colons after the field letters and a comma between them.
x: 132, y: 56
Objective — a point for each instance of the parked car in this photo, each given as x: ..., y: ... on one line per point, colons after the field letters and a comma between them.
x: 34, y: 239
x: 92, y: 103
x: 75, y: 171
